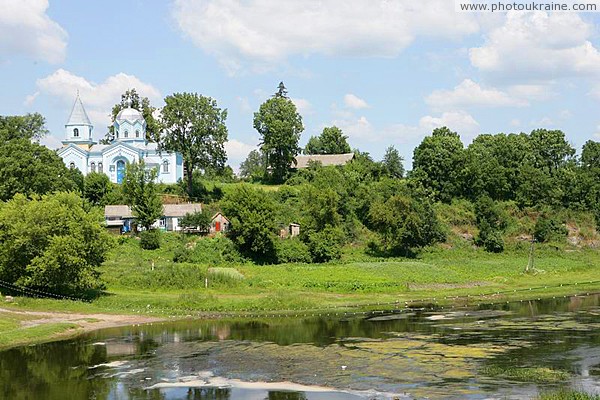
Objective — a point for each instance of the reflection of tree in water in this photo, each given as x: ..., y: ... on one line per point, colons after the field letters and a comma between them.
x: 192, y: 394
x: 208, y: 394
x: 277, y: 395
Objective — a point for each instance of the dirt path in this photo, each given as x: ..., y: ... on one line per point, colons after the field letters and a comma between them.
x: 86, y: 322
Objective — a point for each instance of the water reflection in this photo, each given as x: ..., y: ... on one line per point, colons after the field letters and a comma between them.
x: 430, y: 354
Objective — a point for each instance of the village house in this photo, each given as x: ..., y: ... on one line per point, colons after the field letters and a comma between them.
x: 303, y: 161
x: 121, y: 219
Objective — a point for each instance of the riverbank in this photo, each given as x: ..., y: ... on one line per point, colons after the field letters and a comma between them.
x: 23, y: 327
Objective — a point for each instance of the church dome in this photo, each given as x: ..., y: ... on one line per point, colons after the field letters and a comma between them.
x: 129, y: 114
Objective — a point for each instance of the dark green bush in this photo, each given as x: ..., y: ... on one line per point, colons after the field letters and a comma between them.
x: 326, y: 245
x: 292, y: 250
x: 490, y: 239
x: 549, y: 228
x: 150, y: 239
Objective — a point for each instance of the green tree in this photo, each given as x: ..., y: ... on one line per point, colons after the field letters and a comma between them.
x: 551, y: 151
x: 29, y: 168
x: 253, y: 168
x: 491, y: 222
x: 52, y: 243
x: 438, y: 162
x: 132, y: 99
x: 392, y: 163
x: 141, y: 192
x: 280, y: 126
x: 197, y: 220
x: 252, y: 215
x: 195, y: 127
x: 331, y: 141
x: 30, y: 126
x: 96, y: 188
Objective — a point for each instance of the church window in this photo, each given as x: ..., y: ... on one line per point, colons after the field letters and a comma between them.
x: 165, y: 167
x: 100, y: 167
x: 75, y: 132
x: 117, y: 134
x: 72, y: 165
x: 137, y: 133
x: 126, y: 134
x: 93, y: 167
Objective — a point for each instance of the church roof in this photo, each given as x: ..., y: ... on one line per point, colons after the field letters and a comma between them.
x: 129, y: 114
x: 78, y: 114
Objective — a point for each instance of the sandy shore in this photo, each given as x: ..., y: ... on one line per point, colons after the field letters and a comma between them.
x: 85, y: 322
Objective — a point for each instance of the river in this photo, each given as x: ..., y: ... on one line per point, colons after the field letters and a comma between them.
x: 434, y: 354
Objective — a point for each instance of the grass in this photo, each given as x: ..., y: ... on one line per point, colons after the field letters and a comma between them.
x: 568, y: 395
x: 527, y: 374
x: 13, y: 333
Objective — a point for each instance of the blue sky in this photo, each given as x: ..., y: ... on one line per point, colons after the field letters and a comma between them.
x: 385, y: 71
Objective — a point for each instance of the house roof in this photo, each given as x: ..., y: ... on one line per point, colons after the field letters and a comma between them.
x: 179, y: 210
x: 169, y: 210
x: 221, y: 214
x: 324, y: 159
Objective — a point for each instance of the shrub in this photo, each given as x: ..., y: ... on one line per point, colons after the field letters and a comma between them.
x: 492, y: 222
x: 548, y: 229
x: 490, y: 239
x: 150, y: 239
x: 292, y: 250
x: 326, y: 245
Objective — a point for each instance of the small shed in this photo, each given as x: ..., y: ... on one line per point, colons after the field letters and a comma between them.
x: 219, y: 223
x: 294, y: 229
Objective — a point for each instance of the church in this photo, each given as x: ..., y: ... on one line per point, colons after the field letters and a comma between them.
x: 128, y: 145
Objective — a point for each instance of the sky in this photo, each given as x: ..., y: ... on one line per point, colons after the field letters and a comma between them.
x: 387, y: 72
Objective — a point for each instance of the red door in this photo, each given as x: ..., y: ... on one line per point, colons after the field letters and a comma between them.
x: 217, y: 226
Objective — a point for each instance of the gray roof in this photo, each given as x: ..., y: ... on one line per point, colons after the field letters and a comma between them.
x: 78, y: 114
x: 169, y: 210
x: 129, y: 114
x: 324, y: 159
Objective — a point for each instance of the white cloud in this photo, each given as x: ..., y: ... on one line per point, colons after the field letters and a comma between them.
x: 98, y: 98
x: 26, y: 29
x: 358, y: 128
x: 469, y: 93
x: 244, y: 104
x: 458, y: 121
x: 268, y: 31
x: 303, y: 106
x: 237, y: 151
x: 355, y: 102
x: 538, y: 47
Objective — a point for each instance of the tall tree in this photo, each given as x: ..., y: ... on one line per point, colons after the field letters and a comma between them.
x: 30, y: 126
x: 139, y: 188
x: 331, y: 141
x: 392, y: 163
x: 132, y: 99
x: 550, y: 149
x: 195, y: 127
x: 280, y: 126
x: 438, y: 162
x: 253, y: 167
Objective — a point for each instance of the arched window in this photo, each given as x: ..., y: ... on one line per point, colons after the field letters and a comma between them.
x: 126, y: 134
x: 137, y: 133
x: 72, y: 165
x: 117, y: 134
x: 165, y: 167
x: 93, y: 165
x: 75, y: 132
x: 100, y: 167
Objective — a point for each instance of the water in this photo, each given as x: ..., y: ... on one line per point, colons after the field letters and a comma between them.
x: 395, y: 355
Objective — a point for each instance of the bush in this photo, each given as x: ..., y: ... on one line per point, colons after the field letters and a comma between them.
x: 213, y: 251
x: 292, y: 250
x: 326, y: 245
x: 549, y: 229
x: 490, y: 239
x: 492, y: 222
x: 150, y: 239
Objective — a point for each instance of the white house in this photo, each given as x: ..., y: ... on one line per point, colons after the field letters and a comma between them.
x: 129, y: 145
x: 120, y: 217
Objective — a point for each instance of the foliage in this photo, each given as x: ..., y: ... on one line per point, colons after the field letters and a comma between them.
x: 253, y: 167
x: 405, y: 223
x: 392, y: 163
x: 208, y: 251
x: 195, y: 127
x: 30, y: 168
x: 202, y: 190
x: 251, y: 212
x: 52, y: 243
x: 292, y: 250
x: 326, y: 245
x: 29, y: 126
x: 97, y: 188
x: 491, y: 222
x: 437, y: 163
x: 140, y: 190
x: 549, y: 228
x: 150, y: 239
x: 132, y: 99
x: 197, y: 220
x: 279, y: 125
x: 331, y: 141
